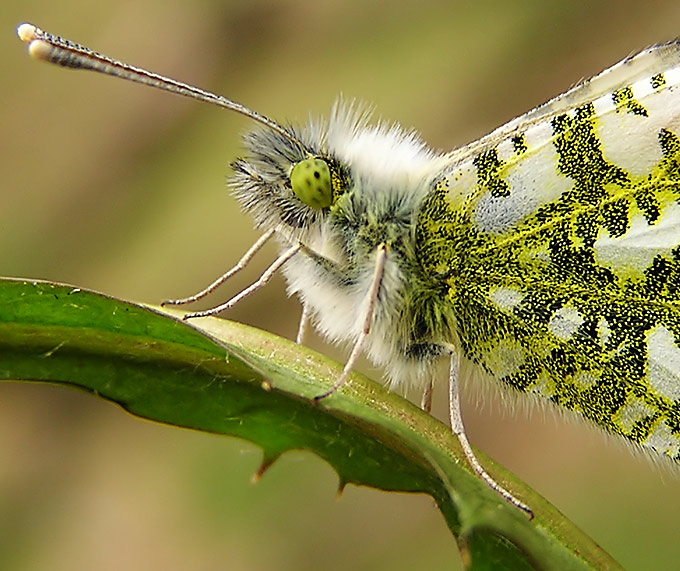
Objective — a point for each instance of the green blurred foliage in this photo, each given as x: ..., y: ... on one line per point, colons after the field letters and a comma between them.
x: 120, y: 189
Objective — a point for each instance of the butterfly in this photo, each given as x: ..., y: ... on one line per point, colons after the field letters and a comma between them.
x: 544, y: 257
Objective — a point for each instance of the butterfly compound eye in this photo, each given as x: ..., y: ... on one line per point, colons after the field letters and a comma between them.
x: 311, y: 182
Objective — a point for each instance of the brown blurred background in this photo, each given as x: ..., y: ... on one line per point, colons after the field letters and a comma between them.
x: 117, y: 188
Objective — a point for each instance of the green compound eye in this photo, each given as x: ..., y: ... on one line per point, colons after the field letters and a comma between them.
x: 311, y: 182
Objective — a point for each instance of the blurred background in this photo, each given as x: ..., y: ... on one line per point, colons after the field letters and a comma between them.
x: 118, y: 188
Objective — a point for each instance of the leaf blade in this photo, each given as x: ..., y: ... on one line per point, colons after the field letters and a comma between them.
x: 231, y: 379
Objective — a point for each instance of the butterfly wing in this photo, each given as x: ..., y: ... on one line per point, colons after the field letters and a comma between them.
x: 559, y: 239
x: 629, y: 71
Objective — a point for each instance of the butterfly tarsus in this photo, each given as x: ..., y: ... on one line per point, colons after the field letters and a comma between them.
x: 241, y: 264
x: 261, y: 282
x: 302, y: 328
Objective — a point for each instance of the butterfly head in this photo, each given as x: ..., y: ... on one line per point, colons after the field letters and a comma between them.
x: 292, y: 181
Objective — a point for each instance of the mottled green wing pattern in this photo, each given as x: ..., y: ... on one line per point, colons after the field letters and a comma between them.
x: 560, y: 245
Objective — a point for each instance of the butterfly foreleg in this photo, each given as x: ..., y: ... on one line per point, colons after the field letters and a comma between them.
x: 242, y: 263
x: 261, y: 282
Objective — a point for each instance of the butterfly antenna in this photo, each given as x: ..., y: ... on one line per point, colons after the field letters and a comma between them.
x: 54, y: 49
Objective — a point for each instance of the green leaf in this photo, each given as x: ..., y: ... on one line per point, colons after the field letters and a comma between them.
x: 223, y: 377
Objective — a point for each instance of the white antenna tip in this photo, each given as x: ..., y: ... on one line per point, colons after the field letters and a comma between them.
x: 37, y: 47
x: 40, y: 49
x: 26, y: 32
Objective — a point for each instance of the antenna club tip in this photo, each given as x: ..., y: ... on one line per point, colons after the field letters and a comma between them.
x: 40, y: 50
x: 26, y: 32
x: 37, y: 47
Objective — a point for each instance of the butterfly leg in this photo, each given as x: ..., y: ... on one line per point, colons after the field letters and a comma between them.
x: 459, y: 430
x: 426, y: 401
x: 261, y: 282
x: 302, y: 328
x: 371, y: 298
x: 242, y: 263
